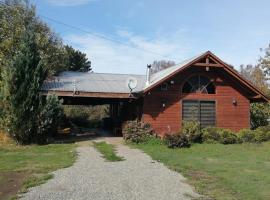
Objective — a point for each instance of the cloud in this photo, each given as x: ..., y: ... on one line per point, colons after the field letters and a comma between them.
x: 68, y: 2
x: 111, y: 57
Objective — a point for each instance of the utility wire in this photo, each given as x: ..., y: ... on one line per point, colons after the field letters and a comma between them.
x: 96, y: 35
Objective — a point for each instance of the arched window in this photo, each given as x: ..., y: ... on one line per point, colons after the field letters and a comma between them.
x: 199, y: 84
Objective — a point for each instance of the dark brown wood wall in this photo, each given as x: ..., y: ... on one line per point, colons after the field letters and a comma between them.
x: 169, y: 119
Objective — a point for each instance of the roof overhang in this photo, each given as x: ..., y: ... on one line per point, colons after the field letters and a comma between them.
x: 90, y: 94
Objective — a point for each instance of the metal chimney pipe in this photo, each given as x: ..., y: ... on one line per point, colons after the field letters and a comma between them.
x: 148, y: 74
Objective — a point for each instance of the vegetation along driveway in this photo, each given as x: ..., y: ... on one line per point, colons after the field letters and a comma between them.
x: 92, y: 177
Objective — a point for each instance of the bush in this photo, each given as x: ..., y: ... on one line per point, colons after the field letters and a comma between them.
x: 261, y: 136
x: 264, y: 128
x: 191, y: 130
x: 227, y: 136
x: 210, y: 135
x: 218, y: 135
x: 86, y: 116
x: 49, y: 119
x: 246, y: 135
x: 259, y: 113
x: 176, y: 140
x: 137, y: 132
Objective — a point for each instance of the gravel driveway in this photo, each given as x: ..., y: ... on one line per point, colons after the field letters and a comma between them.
x: 138, y: 177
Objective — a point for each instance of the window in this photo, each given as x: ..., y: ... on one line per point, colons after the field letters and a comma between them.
x: 164, y: 87
x: 203, y: 112
x: 199, y: 84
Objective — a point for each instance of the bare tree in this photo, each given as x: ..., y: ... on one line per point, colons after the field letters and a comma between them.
x: 160, y: 65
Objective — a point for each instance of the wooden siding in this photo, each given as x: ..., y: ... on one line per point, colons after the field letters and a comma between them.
x: 169, y: 118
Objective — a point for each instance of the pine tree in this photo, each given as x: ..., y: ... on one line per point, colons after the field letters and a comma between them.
x: 22, y: 81
x: 77, y: 61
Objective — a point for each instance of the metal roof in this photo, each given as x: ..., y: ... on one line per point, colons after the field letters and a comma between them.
x: 103, y: 82
x: 156, y: 77
x: 93, y: 82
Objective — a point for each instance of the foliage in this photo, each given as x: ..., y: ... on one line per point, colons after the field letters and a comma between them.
x: 265, y: 60
x: 14, y: 21
x: 259, y: 113
x: 136, y: 131
x: 160, y: 65
x: 227, y: 136
x: 246, y: 135
x: 261, y: 136
x: 256, y: 75
x: 264, y: 128
x: 49, y: 119
x: 108, y: 151
x: 77, y: 61
x: 86, y: 116
x: 210, y: 135
x: 176, y: 140
x: 22, y: 80
x: 218, y: 135
x: 258, y: 135
x: 191, y: 129
x: 219, y: 171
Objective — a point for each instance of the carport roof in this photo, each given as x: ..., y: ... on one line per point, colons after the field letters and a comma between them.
x: 93, y: 82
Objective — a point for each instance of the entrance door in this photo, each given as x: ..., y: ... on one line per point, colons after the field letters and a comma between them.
x: 202, y: 111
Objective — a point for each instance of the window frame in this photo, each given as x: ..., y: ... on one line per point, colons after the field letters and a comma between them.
x: 199, y: 80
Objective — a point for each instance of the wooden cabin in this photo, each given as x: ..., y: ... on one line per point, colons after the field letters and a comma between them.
x: 203, y: 88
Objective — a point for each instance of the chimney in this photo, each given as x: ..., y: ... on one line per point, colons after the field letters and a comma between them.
x: 148, y: 74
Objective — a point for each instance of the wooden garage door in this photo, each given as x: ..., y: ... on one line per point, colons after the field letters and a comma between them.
x: 201, y: 111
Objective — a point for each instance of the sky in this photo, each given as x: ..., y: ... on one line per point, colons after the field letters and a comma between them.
x: 123, y: 36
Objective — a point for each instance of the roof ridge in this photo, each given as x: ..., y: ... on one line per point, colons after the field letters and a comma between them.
x: 102, y: 73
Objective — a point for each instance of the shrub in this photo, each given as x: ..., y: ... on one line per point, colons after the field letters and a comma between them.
x: 227, y: 136
x: 210, y: 135
x: 218, y: 135
x: 264, y: 128
x: 137, y: 132
x: 261, y: 136
x: 176, y: 140
x: 86, y: 116
x: 49, y: 119
x: 259, y: 113
x: 191, y: 129
x: 246, y: 135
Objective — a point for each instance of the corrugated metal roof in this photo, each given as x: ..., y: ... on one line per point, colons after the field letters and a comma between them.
x: 102, y: 82
x: 93, y: 82
x: 156, y: 77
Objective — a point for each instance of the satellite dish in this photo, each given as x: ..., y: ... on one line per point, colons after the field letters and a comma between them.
x: 132, y: 83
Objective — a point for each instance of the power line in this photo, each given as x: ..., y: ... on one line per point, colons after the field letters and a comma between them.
x: 96, y: 35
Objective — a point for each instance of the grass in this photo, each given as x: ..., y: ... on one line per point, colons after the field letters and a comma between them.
x: 108, y: 151
x: 238, y: 171
x: 32, y: 164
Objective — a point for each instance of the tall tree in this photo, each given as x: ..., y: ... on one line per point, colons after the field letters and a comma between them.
x: 22, y: 81
x: 14, y: 17
x: 77, y: 61
x: 259, y: 112
x: 256, y: 75
x: 160, y: 65
x: 265, y: 60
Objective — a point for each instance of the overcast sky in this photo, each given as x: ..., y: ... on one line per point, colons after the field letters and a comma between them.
x: 234, y: 30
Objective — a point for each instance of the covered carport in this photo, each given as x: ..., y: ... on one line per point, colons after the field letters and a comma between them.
x: 80, y: 88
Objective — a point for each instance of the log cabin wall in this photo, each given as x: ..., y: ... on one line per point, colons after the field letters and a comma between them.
x: 168, y: 119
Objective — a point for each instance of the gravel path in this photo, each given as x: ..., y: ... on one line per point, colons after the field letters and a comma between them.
x: 138, y: 177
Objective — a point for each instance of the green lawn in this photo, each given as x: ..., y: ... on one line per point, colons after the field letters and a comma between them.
x: 238, y: 171
x: 108, y: 151
x: 28, y: 166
